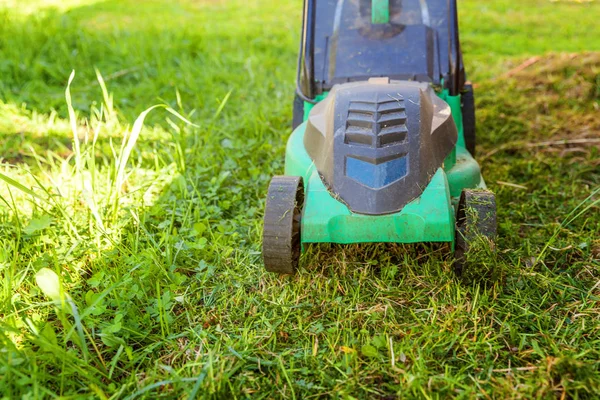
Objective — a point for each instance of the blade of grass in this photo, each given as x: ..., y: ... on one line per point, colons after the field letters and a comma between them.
x: 108, y: 99
x: 568, y: 220
x: 73, y: 122
x: 222, y: 105
x: 131, y: 140
x: 19, y: 186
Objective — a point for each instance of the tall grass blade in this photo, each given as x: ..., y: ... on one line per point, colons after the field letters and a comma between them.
x: 222, y: 105
x: 108, y: 99
x: 19, y: 186
x: 130, y: 142
x: 73, y: 122
x: 132, y: 139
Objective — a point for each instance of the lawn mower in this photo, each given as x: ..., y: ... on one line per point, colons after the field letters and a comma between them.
x: 384, y: 134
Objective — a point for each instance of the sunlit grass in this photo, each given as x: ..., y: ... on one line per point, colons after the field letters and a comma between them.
x: 28, y: 7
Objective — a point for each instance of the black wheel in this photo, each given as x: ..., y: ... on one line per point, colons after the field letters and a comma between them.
x: 298, y: 113
x: 281, y: 232
x: 468, y: 114
x: 475, y: 219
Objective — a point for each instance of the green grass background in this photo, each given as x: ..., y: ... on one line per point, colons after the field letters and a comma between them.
x: 155, y: 288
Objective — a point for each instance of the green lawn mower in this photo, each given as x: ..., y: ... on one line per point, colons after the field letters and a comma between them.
x: 384, y: 134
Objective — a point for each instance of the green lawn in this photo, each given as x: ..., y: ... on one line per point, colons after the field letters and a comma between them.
x: 130, y: 265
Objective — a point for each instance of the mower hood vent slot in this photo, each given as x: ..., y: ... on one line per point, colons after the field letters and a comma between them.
x: 376, y: 124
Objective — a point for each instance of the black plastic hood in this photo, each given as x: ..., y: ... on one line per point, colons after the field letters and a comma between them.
x: 377, y: 144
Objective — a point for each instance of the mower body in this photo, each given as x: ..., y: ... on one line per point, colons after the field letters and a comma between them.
x: 384, y: 129
x: 397, y: 184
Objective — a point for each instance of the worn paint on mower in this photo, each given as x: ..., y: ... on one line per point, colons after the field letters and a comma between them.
x: 382, y: 149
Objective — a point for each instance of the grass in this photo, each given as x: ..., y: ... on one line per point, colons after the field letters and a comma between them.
x: 137, y: 274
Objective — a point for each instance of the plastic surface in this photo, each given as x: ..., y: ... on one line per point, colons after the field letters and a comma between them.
x: 380, y: 11
x: 468, y: 114
x: 345, y: 41
x: 351, y: 41
x: 429, y: 218
x: 377, y: 144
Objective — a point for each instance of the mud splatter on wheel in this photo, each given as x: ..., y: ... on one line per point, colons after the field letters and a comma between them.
x: 475, y: 219
x: 281, y: 232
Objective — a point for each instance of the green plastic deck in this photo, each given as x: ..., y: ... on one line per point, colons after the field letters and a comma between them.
x: 428, y: 218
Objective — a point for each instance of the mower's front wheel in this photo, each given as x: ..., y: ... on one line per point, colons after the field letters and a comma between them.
x: 281, y: 231
x: 475, y: 220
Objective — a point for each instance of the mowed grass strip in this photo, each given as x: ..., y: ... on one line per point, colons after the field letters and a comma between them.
x: 147, y: 282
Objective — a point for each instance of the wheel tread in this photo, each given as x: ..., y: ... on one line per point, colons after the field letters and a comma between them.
x: 281, y: 230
